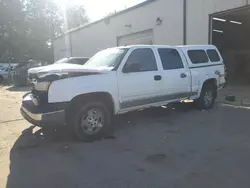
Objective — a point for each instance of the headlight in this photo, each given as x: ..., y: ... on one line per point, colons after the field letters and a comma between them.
x: 42, y: 86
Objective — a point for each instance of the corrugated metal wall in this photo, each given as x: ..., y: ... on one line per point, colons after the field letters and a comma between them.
x: 90, y: 39
x: 142, y: 37
x: 87, y: 41
x: 62, y: 47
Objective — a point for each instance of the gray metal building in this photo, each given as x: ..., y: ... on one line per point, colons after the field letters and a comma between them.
x: 225, y: 23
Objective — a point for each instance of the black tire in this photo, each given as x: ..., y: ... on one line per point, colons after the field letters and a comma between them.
x: 202, y: 103
x: 1, y: 79
x: 76, y: 121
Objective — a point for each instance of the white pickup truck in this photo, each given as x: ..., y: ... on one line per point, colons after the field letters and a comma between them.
x: 123, y: 79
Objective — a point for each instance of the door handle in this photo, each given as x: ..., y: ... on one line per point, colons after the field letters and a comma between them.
x: 157, y: 77
x: 183, y: 75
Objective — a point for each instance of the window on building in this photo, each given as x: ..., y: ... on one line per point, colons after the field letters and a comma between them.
x: 213, y: 55
x: 140, y: 60
x: 170, y: 59
x: 198, y: 56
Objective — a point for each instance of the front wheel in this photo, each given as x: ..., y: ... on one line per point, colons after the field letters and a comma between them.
x: 91, y: 122
x: 207, y: 97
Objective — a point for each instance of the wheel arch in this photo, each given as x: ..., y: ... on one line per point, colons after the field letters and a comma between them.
x: 100, y: 96
x: 212, y: 81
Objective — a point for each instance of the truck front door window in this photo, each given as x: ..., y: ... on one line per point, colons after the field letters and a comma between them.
x: 140, y: 60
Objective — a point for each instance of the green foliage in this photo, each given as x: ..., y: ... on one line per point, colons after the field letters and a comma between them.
x: 76, y: 17
x: 43, y: 22
x: 27, y: 27
x: 11, y: 27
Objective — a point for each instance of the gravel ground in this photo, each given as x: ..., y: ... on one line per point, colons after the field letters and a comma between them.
x: 174, y: 147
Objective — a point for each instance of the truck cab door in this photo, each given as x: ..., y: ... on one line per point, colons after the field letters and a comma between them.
x: 139, y: 79
x: 175, y: 73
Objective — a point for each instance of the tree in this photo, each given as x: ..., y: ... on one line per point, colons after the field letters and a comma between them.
x: 75, y: 17
x: 44, y: 22
x: 11, y: 28
x: 27, y: 28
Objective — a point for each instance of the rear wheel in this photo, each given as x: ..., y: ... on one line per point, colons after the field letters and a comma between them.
x: 91, y: 121
x: 207, y: 97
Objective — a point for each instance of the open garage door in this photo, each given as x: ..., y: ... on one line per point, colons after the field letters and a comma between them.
x: 143, y: 37
x: 230, y: 32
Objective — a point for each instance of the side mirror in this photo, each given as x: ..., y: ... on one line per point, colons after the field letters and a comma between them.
x: 132, y: 67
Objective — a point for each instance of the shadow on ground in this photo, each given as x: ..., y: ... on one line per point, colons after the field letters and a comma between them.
x: 51, y: 158
x: 152, y: 115
x: 32, y: 154
x: 19, y: 89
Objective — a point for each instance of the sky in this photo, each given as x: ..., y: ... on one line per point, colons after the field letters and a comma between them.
x: 97, y: 9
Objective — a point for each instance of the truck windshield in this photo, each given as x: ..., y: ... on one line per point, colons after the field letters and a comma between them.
x: 107, y: 59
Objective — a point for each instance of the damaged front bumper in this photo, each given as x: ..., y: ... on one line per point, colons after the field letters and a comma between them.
x: 43, y: 115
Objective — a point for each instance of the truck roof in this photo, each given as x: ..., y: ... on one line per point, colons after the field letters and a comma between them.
x: 207, y: 46
x: 169, y: 46
x: 140, y: 45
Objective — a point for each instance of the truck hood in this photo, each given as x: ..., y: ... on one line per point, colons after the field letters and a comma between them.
x: 36, y: 70
x: 64, y: 71
x: 66, y: 68
x: 52, y: 67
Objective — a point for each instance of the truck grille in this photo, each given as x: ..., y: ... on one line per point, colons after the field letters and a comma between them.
x: 32, y: 76
x: 42, y: 97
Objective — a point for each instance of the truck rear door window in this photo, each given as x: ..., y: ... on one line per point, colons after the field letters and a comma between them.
x: 213, y: 55
x: 170, y: 59
x: 198, y: 56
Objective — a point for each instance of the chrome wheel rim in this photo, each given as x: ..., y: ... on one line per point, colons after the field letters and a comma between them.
x: 208, y: 98
x: 92, y: 121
